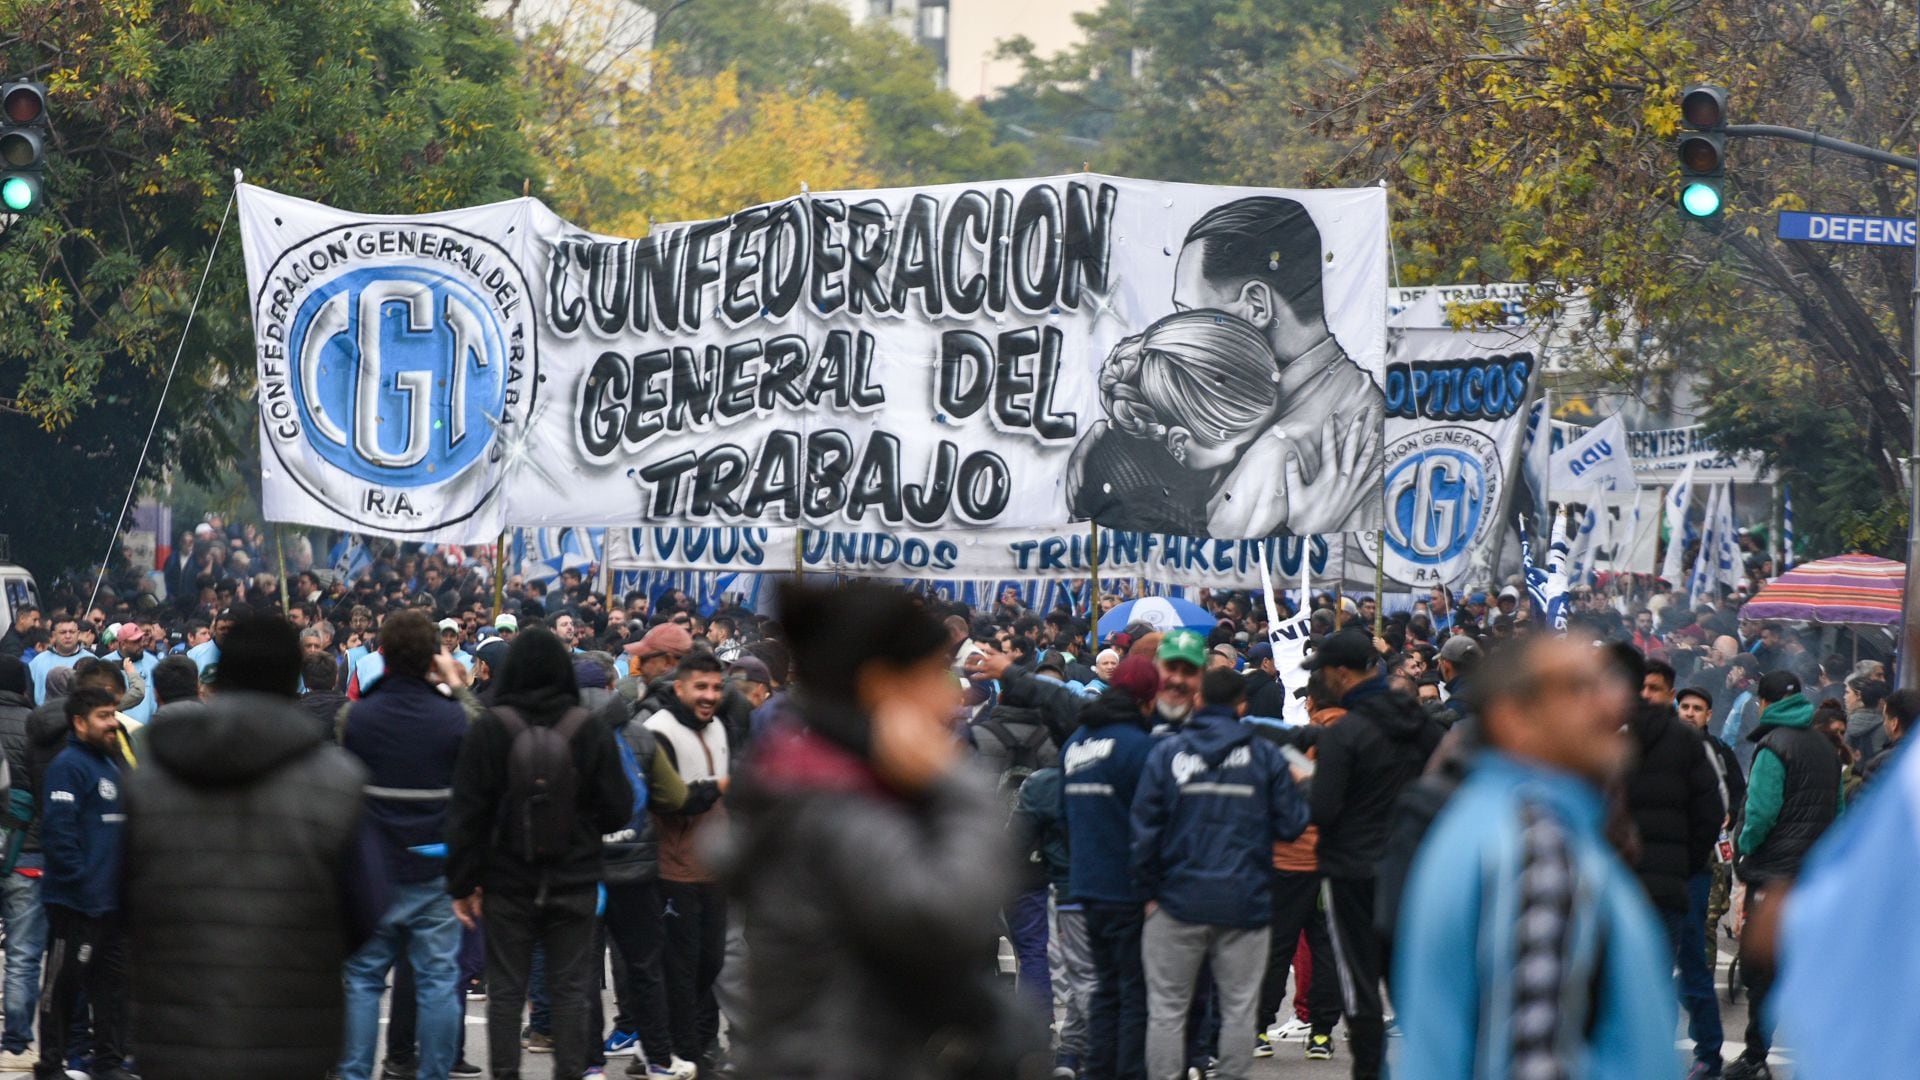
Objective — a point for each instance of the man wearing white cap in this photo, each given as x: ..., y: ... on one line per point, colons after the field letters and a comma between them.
x: 450, y: 643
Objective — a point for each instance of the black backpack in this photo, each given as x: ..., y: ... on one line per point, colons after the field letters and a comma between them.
x: 1017, y: 743
x: 543, y: 783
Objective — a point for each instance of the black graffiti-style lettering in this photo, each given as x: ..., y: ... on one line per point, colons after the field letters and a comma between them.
x: 607, y: 284
x: 878, y: 481
x: 917, y: 269
x: 722, y: 472
x: 694, y: 386
x: 828, y: 292
x: 739, y: 297
x: 967, y: 226
x: 927, y: 503
x: 565, y: 312
x: 1089, y: 244
x: 869, y: 242
x: 699, y: 268
x: 786, y: 363
x: 829, y: 461
x: 1479, y: 388
x: 845, y: 373
x: 608, y: 385
x: 985, y: 485
x: 1036, y: 248
x: 734, y: 397
x: 665, y: 478
x: 656, y: 274
x: 777, y: 479
x: 784, y: 276
x: 965, y: 375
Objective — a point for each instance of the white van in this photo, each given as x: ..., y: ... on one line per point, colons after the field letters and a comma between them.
x: 17, y: 590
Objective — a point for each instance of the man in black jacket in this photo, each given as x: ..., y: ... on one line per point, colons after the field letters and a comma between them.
x: 1266, y: 694
x: 1364, y: 760
x: 546, y: 899
x: 1674, y: 799
x: 20, y: 912
x: 236, y: 957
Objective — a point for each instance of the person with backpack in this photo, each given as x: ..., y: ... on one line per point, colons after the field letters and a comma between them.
x: 538, y: 783
x: 693, y: 907
x: 408, y: 734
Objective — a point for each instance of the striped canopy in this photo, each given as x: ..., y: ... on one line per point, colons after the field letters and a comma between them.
x: 1860, y: 589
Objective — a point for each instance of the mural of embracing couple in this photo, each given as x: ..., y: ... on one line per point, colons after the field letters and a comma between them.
x: 1239, y: 414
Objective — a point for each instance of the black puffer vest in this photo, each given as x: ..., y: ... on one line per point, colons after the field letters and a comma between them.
x: 1810, y: 799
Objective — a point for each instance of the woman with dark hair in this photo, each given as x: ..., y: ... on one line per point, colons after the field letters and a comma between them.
x: 871, y: 868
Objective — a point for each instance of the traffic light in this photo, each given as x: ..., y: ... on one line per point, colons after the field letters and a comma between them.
x: 1703, y: 151
x: 23, y: 146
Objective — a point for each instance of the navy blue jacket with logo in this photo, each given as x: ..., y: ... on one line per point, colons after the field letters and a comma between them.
x: 80, y: 825
x: 1211, y: 803
x: 1101, y: 766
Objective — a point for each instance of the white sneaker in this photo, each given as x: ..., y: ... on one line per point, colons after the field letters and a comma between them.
x: 1294, y: 1030
x: 17, y: 1062
x: 683, y: 1069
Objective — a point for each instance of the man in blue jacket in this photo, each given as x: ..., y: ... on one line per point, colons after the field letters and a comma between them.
x: 1211, y: 803
x: 408, y: 734
x: 1525, y: 947
x: 1102, y: 763
x: 80, y: 828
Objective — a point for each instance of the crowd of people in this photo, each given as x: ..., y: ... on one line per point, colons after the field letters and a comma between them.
x: 788, y: 841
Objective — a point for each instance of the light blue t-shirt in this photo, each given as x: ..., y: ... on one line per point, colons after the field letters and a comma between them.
x: 204, y: 654
x: 45, y: 664
x: 143, y: 712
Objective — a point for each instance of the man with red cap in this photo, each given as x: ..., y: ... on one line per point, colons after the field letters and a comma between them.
x: 132, y: 645
x: 654, y: 657
x: 1102, y: 763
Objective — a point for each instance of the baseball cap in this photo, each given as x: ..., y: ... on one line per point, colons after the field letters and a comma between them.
x: 752, y: 669
x: 1261, y: 651
x: 450, y: 624
x: 1458, y: 648
x: 492, y: 654
x: 130, y: 634
x: 1137, y: 676
x: 669, y: 638
x: 1477, y: 598
x: 1347, y: 649
x: 506, y: 622
x: 1051, y: 660
x: 1778, y: 685
x: 1183, y: 645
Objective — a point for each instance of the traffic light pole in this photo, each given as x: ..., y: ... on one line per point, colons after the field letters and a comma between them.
x: 1910, y: 601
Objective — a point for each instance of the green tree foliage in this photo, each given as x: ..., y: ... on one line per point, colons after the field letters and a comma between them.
x: 918, y: 133
x: 1536, y: 141
x: 1195, y: 90
x: 379, y: 105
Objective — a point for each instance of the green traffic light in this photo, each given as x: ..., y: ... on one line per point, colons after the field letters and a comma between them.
x: 1700, y: 200
x: 17, y: 193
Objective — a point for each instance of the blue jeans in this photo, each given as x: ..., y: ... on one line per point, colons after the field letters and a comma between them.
x: 26, y: 924
x: 1688, y: 932
x: 421, y: 921
x: 1027, y: 930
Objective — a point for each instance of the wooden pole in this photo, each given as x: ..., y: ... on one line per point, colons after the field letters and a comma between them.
x: 799, y: 553
x: 280, y: 549
x: 499, y: 575
x: 1093, y: 603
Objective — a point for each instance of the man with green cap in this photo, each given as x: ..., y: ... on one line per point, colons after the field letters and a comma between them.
x: 1182, y: 658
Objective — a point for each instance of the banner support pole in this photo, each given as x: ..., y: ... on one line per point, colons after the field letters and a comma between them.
x: 1379, y: 573
x: 280, y: 550
x: 499, y: 575
x: 1093, y: 596
x: 799, y: 553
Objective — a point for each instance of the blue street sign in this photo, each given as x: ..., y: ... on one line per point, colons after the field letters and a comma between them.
x: 1845, y: 229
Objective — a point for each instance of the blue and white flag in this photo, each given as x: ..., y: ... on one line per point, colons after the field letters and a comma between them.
x: 1700, y: 582
x: 1555, y: 589
x: 1597, y: 461
x: 1539, y: 450
x: 1730, y: 568
x: 1535, y: 577
x: 1679, y: 498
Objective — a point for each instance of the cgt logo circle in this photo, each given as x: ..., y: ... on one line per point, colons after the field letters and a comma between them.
x: 1442, y: 487
x: 394, y: 361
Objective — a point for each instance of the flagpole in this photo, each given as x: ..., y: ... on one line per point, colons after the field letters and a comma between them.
x: 499, y: 575
x: 1093, y: 601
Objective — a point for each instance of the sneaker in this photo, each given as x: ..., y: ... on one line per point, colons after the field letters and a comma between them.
x: 593, y: 1070
x: 1320, y: 1048
x: 463, y: 1067
x: 678, y: 1068
x: 1064, y: 1072
x: 17, y: 1061
x: 1262, y: 1046
x: 398, y: 1070
x: 1294, y: 1030
x: 621, y: 1043
x: 1745, y: 1068
x: 1704, y: 1070
x: 539, y: 1042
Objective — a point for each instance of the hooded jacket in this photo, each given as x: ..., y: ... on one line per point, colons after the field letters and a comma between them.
x: 408, y: 735
x: 1673, y: 796
x: 16, y: 710
x: 80, y: 822
x: 884, y: 900
x: 1793, y: 792
x: 1362, y: 764
x: 1459, y: 955
x: 701, y: 753
x: 250, y: 877
x: 1100, y: 767
x: 1212, y: 801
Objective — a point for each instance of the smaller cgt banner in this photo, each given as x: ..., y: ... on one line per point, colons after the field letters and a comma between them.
x: 1018, y: 354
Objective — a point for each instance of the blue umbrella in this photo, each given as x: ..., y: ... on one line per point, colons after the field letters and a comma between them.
x: 1160, y: 612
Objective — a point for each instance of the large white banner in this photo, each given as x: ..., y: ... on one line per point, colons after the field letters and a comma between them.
x: 1024, y: 354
